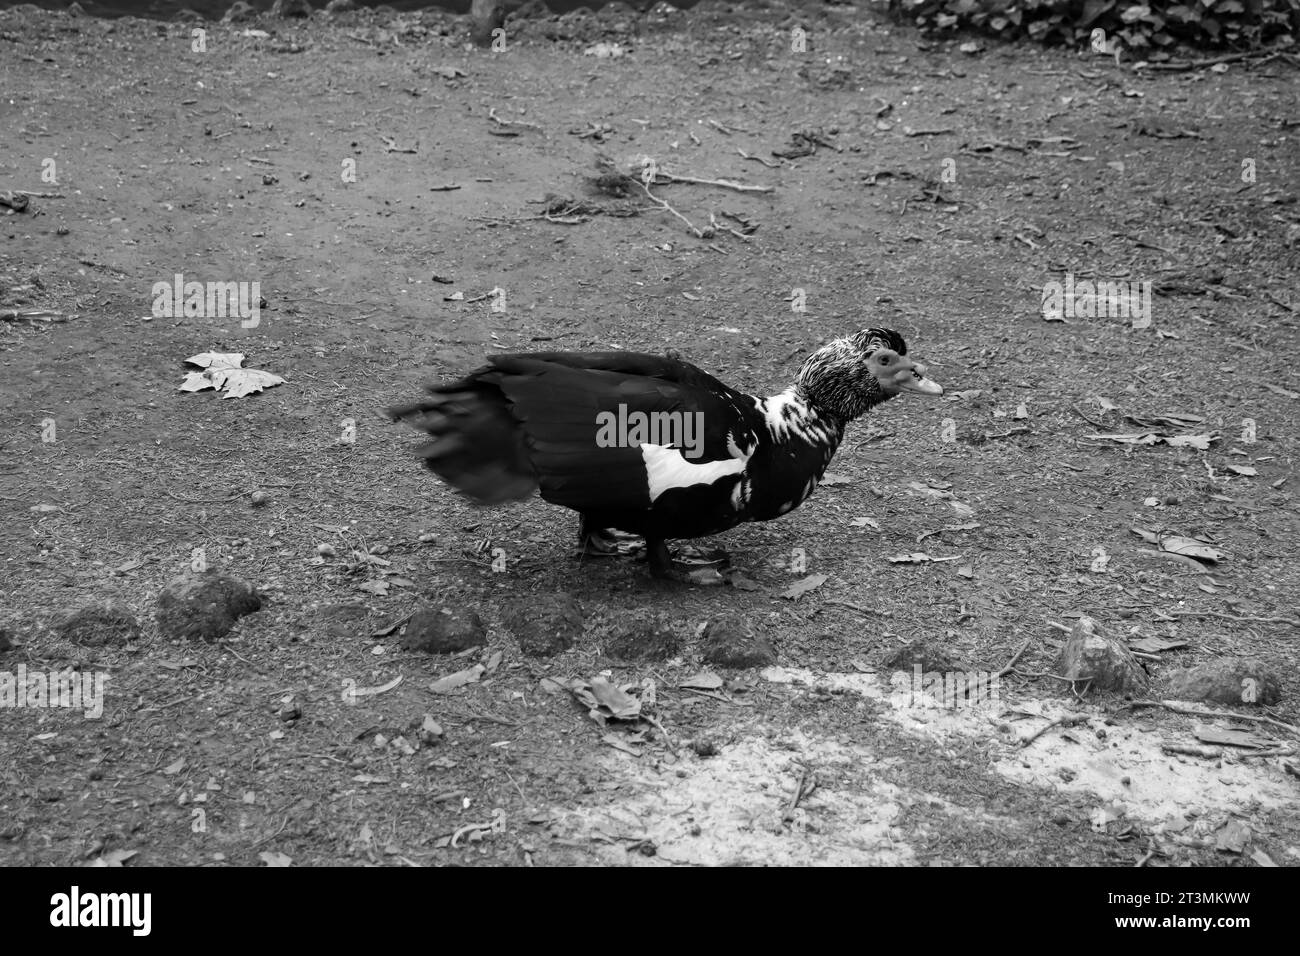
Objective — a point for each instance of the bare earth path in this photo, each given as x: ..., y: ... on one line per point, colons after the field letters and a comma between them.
x: 948, y: 191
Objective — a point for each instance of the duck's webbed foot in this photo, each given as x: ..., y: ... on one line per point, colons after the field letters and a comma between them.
x: 702, y: 571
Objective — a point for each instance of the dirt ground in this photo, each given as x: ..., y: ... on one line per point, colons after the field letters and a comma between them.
x: 949, y: 188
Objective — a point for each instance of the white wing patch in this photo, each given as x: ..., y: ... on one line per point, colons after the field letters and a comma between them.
x: 666, y: 468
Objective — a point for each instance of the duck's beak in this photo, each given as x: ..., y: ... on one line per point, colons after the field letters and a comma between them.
x: 913, y: 380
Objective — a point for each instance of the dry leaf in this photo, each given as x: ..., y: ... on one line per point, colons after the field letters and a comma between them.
x: 865, y: 523
x: 449, y: 683
x: 271, y: 858
x: 1190, y: 548
x: 222, y: 371
x: 804, y: 585
x: 830, y: 479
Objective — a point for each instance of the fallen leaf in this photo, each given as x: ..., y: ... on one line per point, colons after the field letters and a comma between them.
x: 865, y: 523
x: 1232, y: 838
x: 804, y: 585
x: 1240, y: 470
x: 1281, y: 391
x: 1190, y: 548
x: 174, y: 768
x: 1261, y: 858
x: 223, y: 372
x: 830, y: 479
x: 1155, y: 645
x: 379, y: 587
x: 271, y: 858
x: 449, y: 683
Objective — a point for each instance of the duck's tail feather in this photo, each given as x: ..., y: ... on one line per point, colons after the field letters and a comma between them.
x: 478, y: 447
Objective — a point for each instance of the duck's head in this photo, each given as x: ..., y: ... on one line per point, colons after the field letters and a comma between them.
x: 851, y: 375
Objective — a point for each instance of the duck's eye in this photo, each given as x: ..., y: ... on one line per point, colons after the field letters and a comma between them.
x: 884, y: 360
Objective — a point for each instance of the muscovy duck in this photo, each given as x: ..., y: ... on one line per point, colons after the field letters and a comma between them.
x: 653, y: 446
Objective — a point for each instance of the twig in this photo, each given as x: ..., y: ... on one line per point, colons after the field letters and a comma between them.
x: 713, y: 221
x: 1069, y: 720
x: 757, y: 159
x: 1286, y: 305
x: 663, y: 204
x: 724, y: 183
x: 1212, y: 61
x: 35, y: 195
x: 1235, y: 617
x: 492, y: 115
x: 206, y: 501
x: 727, y: 130
x: 1093, y: 423
x: 1014, y: 657
x: 1202, y: 712
x: 268, y: 839
x: 806, y: 784
x: 857, y: 607
x: 907, y: 131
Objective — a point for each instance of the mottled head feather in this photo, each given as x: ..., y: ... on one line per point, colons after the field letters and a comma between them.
x: 836, y: 380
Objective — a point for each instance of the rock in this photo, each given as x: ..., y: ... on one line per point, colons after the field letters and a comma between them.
x: 340, y: 6
x: 1089, y: 655
x: 239, y: 12
x: 443, y: 630
x: 545, y: 624
x: 95, y: 625
x: 1235, y: 681
x: 485, y: 17
x: 644, y: 642
x: 290, y: 8
x: 204, y: 605
x: 930, y: 654
x: 734, y: 643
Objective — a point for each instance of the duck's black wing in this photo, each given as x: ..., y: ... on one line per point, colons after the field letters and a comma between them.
x: 545, y: 421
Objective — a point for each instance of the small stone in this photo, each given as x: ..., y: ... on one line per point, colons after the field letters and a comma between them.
x: 705, y: 745
x: 93, y: 625
x: 734, y: 643
x: 431, y: 731
x: 545, y: 624
x: 443, y: 630
x: 1236, y: 681
x: 204, y: 605
x: 259, y: 498
x: 1107, y: 663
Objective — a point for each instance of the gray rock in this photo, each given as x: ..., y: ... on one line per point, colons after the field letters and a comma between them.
x: 95, y: 625
x: 1237, y: 681
x: 204, y: 605
x: 544, y: 624
x: 443, y: 630
x: 735, y: 643
x: 1089, y: 655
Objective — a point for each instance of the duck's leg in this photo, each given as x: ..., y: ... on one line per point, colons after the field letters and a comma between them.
x: 596, y: 542
x: 662, y: 565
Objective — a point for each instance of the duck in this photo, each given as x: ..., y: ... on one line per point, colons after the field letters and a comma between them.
x: 651, y: 445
